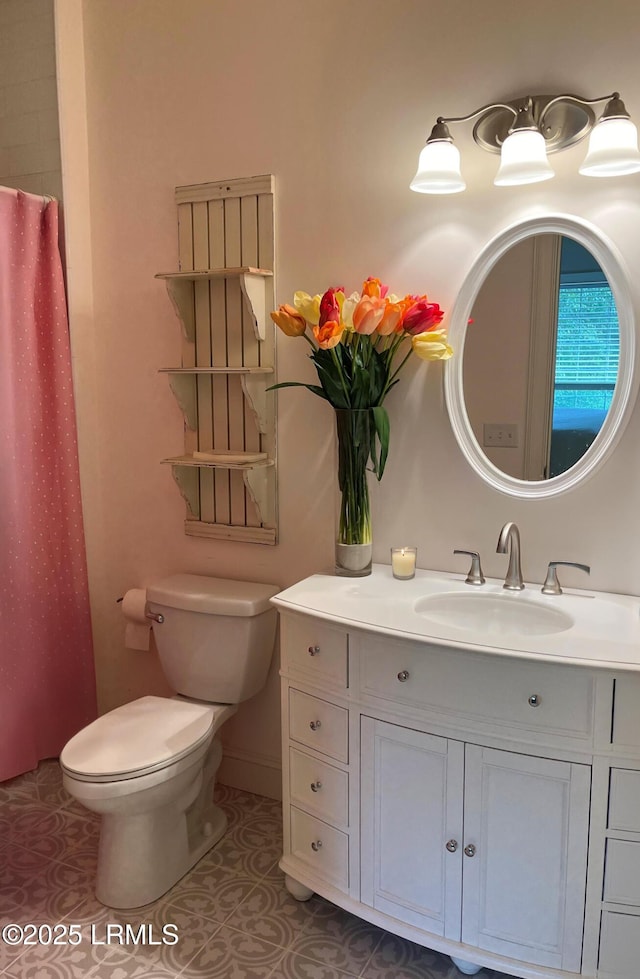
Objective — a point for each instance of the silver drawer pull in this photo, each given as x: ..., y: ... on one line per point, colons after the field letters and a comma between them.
x: 451, y: 845
x: 535, y: 700
x: 315, y: 725
x: 403, y: 676
x: 316, y: 845
x: 314, y: 650
x: 470, y: 850
x: 316, y: 786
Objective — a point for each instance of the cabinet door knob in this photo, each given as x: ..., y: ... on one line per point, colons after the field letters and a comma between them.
x: 452, y: 845
x: 316, y: 786
x: 314, y: 650
x: 403, y: 676
x: 470, y: 850
x: 535, y: 700
x: 315, y: 725
x: 315, y: 846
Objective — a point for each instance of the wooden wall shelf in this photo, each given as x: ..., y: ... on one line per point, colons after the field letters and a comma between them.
x: 228, y: 357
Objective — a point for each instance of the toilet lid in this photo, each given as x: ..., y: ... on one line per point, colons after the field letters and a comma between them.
x: 145, y: 735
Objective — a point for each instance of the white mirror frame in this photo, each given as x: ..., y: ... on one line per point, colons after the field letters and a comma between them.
x: 626, y: 386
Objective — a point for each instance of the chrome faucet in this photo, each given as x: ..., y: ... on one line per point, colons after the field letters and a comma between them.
x: 509, y: 541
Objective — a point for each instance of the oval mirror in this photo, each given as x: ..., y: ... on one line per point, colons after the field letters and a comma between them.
x: 544, y: 376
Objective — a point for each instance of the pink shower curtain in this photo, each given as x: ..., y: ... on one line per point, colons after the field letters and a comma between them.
x: 47, y: 684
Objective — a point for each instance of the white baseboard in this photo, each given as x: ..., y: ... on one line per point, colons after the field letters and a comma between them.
x: 251, y: 773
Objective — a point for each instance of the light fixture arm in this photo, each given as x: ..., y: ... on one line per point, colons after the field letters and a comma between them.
x: 615, y: 107
x: 478, y: 112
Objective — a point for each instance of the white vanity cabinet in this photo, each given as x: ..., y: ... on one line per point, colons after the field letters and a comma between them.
x: 483, y: 804
x: 482, y: 846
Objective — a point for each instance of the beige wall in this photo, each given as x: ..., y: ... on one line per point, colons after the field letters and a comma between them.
x: 29, y: 139
x: 335, y: 98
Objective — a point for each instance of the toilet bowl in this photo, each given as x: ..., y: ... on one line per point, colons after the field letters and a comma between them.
x: 148, y: 767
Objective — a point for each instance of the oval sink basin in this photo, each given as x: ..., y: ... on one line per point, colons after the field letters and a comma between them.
x: 494, y: 615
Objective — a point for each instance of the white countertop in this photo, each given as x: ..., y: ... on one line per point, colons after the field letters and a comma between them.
x: 604, y: 630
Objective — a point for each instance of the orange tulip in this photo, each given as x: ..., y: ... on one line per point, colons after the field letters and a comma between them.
x: 329, y: 334
x: 368, y: 314
x: 391, y: 319
x: 374, y: 289
x: 289, y: 320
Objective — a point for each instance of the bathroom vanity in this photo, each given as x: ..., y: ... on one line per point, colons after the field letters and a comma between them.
x: 462, y: 767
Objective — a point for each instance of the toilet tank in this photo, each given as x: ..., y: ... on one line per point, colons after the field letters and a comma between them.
x: 217, y: 637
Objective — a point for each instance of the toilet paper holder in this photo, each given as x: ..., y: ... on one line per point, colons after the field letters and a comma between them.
x: 156, y: 616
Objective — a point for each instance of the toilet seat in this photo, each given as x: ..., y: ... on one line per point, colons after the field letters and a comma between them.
x: 141, y: 737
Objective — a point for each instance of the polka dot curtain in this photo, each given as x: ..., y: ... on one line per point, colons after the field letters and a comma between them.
x: 47, y: 683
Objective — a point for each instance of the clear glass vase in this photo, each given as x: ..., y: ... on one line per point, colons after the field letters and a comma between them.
x: 355, y: 429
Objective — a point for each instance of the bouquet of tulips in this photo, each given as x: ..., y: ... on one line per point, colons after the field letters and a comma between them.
x: 358, y: 347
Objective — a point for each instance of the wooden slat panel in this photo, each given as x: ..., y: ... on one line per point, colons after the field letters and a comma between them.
x: 185, y: 254
x: 219, y: 357
x: 266, y: 246
x: 233, y: 256
x: 203, y: 354
x: 250, y: 343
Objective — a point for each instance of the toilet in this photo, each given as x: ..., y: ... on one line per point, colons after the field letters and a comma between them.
x: 148, y: 767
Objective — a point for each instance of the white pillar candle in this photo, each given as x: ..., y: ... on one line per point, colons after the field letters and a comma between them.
x: 403, y: 561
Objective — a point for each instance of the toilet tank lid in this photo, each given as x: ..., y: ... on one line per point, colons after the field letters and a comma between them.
x: 215, y: 596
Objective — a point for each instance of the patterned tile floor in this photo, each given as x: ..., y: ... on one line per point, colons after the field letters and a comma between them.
x: 234, y: 918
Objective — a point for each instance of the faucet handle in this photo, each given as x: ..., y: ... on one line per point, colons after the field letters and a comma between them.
x: 551, y: 584
x: 475, y: 576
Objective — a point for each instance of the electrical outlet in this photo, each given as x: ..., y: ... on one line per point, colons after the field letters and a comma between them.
x: 500, y: 434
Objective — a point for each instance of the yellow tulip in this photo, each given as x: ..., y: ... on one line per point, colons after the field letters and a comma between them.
x: 308, y: 306
x: 289, y: 321
x: 432, y: 345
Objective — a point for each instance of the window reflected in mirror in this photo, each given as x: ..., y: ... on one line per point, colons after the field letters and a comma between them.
x: 540, y: 359
x: 587, y: 354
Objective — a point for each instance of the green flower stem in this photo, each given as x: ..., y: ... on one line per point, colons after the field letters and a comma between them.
x: 343, y: 383
x: 354, y: 427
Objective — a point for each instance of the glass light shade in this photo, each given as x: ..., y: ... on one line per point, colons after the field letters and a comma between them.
x: 523, y: 159
x: 438, y: 169
x: 613, y: 149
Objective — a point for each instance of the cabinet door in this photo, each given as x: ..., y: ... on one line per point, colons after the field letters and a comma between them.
x: 524, y: 887
x: 411, y: 806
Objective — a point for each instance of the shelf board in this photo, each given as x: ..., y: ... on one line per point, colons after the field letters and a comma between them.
x: 183, y: 382
x: 180, y: 286
x: 215, y: 370
x: 230, y: 273
x: 188, y: 460
x: 258, y: 477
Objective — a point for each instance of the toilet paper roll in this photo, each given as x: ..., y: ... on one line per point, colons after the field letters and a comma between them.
x: 138, y: 626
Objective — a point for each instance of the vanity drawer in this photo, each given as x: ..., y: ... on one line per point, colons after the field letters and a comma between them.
x: 624, y: 800
x: 622, y: 873
x: 319, y: 787
x: 490, y: 688
x: 314, y: 650
x: 323, y: 848
x: 619, y: 946
x: 319, y: 725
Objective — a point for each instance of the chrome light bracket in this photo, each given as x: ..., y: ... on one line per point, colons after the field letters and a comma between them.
x: 563, y: 120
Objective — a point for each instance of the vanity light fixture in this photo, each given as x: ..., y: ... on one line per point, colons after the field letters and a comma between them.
x: 524, y: 131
